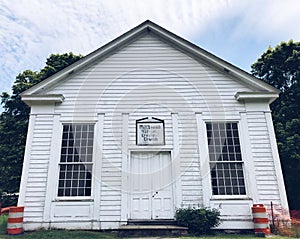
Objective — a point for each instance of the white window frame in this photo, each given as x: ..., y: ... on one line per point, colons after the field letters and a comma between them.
x: 76, y: 198
x: 209, y: 179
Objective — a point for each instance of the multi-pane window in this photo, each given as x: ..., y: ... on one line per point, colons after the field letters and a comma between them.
x: 75, y: 175
x: 227, y: 176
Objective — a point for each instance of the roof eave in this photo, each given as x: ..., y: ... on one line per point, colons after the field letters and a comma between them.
x: 256, y: 96
x: 100, y: 52
x: 210, y: 58
x: 170, y: 37
x: 42, y: 99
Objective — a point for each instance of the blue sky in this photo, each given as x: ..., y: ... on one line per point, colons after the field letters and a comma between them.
x: 238, y: 31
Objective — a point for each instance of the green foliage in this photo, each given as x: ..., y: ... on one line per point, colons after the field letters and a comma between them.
x: 200, y: 221
x: 3, y: 224
x: 14, y: 120
x: 9, y: 199
x: 280, y: 67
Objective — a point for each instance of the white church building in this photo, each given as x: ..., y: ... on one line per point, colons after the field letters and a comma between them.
x: 144, y: 125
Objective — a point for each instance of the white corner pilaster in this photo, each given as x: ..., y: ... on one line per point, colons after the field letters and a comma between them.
x: 276, y: 159
x: 125, y: 159
x: 97, y: 160
x: 55, y: 149
x: 26, y: 161
x: 248, y: 158
x: 176, y: 161
x: 204, y: 160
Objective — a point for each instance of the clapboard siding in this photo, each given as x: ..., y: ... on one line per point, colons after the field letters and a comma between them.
x: 148, y: 76
x: 148, y: 70
x: 191, y: 181
x: 38, y: 168
x: 267, y: 185
x: 110, y: 204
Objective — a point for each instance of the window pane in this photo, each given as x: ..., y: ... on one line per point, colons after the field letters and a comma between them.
x: 75, y: 178
x: 226, y: 175
x: 61, y: 184
x: 242, y: 190
x: 74, y: 192
x: 60, y: 192
x: 87, y: 191
x: 225, y: 159
x: 221, y: 191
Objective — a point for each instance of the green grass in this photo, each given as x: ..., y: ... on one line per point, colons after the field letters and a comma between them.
x: 3, y: 224
x: 64, y: 234
x: 233, y: 237
x: 236, y: 237
x: 61, y: 234
x: 53, y: 234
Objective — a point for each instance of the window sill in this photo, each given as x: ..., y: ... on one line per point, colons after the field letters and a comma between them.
x: 228, y: 198
x: 73, y: 199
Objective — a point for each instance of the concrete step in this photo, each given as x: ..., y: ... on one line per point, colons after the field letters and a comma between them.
x: 151, y: 230
x: 152, y: 222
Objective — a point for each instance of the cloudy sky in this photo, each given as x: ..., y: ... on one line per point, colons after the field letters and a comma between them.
x: 236, y: 30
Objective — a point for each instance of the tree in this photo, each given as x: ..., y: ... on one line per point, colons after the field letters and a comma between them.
x: 280, y: 67
x: 14, y: 120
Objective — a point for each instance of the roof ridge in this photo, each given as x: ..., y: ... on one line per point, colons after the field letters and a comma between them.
x: 149, y: 26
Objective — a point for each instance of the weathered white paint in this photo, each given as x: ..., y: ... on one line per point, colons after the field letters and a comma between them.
x: 125, y: 158
x: 204, y: 162
x: 263, y: 159
x: 27, y: 156
x: 53, y: 162
x: 151, y: 186
x: 152, y: 75
x: 36, y: 168
x: 235, y: 213
x: 277, y: 165
x: 176, y: 169
x: 248, y: 159
x: 97, y: 169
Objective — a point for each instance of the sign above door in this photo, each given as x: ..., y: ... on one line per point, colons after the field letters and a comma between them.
x: 150, y: 131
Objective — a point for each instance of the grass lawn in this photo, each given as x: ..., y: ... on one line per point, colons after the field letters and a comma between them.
x: 63, y: 234
x: 53, y: 234
x: 235, y: 237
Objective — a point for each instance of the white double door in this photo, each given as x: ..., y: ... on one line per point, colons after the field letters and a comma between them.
x: 151, y: 184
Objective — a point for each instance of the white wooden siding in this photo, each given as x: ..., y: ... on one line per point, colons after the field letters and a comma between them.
x: 191, y: 180
x: 110, y: 203
x: 35, y: 192
x: 148, y: 70
x: 267, y: 183
x: 148, y: 78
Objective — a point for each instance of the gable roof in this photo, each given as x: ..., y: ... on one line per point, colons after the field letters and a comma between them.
x: 169, y: 37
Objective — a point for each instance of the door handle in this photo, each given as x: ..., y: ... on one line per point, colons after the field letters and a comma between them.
x: 154, y: 194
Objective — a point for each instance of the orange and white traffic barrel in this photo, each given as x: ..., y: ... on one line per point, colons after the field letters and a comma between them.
x: 15, y: 220
x: 260, y: 219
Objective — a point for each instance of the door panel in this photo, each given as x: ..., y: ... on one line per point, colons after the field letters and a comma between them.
x: 151, y: 183
x: 141, y: 186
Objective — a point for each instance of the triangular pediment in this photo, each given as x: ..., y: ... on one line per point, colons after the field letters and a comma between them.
x: 175, y: 41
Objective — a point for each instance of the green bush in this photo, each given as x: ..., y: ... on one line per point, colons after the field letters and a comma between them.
x: 9, y: 200
x: 200, y: 221
x: 3, y: 224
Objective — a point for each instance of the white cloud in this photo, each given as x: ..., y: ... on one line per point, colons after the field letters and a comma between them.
x: 265, y: 19
x: 31, y: 30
